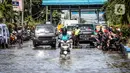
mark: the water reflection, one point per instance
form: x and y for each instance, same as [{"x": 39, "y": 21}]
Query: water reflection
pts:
[
  {"x": 65, "y": 64},
  {"x": 40, "y": 54}
]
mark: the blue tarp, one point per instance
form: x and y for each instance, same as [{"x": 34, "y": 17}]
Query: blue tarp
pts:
[
  {"x": 127, "y": 48},
  {"x": 73, "y": 2}
]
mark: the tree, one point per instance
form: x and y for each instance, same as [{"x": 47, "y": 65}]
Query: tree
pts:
[
  {"x": 56, "y": 16},
  {"x": 6, "y": 11},
  {"x": 109, "y": 8}
]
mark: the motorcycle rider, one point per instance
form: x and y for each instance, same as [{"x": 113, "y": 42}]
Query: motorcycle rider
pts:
[
  {"x": 100, "y": 32},
  {"x": 59, "y": 27},
  {"x": 13, "y": 37},
  {"x": 65, "y": 36},
  {"x": 20, "y": 35}
]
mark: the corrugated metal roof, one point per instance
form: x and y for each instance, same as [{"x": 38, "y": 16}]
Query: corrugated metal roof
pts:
[{"x": 72, "y": 2}]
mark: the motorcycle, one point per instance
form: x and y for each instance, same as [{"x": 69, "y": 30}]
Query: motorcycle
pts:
[
  {"x": 104, "y": 42},
  {"x": 13, "y": 39},
  {"x": 114, "y": 44},
  {"x": 65, "y": 49}
]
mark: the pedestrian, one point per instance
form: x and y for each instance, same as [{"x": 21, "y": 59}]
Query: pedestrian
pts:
[
  {"x": 76, "y": 34},
  {"x": 20, "y": 35}
]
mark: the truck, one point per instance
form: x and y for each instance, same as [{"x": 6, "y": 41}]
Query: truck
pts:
[{"x": 69, "y": 22}]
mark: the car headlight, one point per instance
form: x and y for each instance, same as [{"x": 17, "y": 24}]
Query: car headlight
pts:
[
  {"x": 92, "y": 35},
  {"x": 36, "y": 36}
]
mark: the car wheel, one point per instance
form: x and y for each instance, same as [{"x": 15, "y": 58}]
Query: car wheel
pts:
[
  {"x": 53, "y": 46},
  {"x": 92, "y": 45},
  {"x": 34, "y": 44},
  {"x": 3, "y": 45},
  {"x": 6, "y": 45}
]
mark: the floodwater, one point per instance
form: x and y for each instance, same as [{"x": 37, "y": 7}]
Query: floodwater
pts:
[{"x": 44, "y": 60}]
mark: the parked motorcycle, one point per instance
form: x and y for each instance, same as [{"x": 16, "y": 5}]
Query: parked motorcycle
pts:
[
  {"x": 115, "y": 44},
  {"x": 104, "y": 42},
  {"x": 13, "y": 39},
  {"x": 65, "y": 49}
]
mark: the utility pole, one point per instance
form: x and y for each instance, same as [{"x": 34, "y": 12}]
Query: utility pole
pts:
[
  {"x": 22, "y": 12},
  {"x": 30, "y": 7},
  {"x": 46, "y": 13}
]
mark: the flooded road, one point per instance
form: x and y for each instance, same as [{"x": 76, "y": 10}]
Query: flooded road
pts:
[{"x": 40, "y": 60}]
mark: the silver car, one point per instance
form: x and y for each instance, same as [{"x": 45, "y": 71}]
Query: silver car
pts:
[{"x": 45, "y": 34}]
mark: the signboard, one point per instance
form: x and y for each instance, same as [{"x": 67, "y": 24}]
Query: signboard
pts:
[
  {"x": 17, "y": 5},
  {"x": 1, "y": 1},
  {"x": 119, "y": 9}
]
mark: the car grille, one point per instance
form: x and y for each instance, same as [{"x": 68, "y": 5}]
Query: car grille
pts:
[{"x": 44, "y": 38}]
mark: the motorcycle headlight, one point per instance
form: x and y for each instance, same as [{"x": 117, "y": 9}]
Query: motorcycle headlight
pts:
[{"x": 65, "y": 52}]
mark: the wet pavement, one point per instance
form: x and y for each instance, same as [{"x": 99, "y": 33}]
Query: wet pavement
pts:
[{"x": 45, "y": 60}]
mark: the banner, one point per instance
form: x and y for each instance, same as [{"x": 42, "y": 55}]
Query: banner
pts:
[{"x": 17, "y": 5}]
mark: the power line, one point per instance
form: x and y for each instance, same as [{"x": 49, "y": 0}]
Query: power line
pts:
[
  {"x": 38, "y": 16},
  {"x": 36, "y": 13}
]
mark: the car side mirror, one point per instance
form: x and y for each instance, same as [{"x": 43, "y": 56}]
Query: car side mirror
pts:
[{"x": 56, "y": 34}]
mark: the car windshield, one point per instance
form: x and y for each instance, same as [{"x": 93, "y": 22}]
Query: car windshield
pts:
[
  {"x": 45, "y": 28},
  {"x": 70, "y": 28},
  {"x": 86, "y": 27}
]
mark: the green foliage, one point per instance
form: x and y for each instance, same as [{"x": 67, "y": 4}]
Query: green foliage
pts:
[
  {"x": 125, "y": 29},
  {"x": 29, "y": 20},
  {"x": 110, "y": 16},
  {"x": 56, "y": 17},
  {"x": 6, "y": 11},
  {"x": 1, "y": 14}
]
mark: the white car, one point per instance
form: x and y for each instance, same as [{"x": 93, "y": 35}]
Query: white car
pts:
[
  {"x": 70, "y": 29},
  {"x": 4, "y": 35}
]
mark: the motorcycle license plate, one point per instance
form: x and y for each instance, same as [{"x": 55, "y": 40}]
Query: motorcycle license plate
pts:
[
  {"x": 86, "y": 38},
  {"x": 64, "y": 44}
]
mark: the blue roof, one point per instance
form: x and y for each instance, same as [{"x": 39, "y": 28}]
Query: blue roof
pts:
[
  {"x": 87, "y": 12},
  {"x": 73, "y": 2}
]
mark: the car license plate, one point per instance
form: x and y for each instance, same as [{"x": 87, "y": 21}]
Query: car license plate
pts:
[
  {"x": 44, "y": 41},
  {"x": 86, "y": 38}
]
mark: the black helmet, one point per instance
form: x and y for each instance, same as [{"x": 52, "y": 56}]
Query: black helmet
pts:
[{"x": 64, "y": 31}]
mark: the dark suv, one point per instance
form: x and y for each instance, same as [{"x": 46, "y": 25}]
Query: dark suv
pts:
[
  {"x": 86, "y": 33},
  {"x": 44, "y": 35}
]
